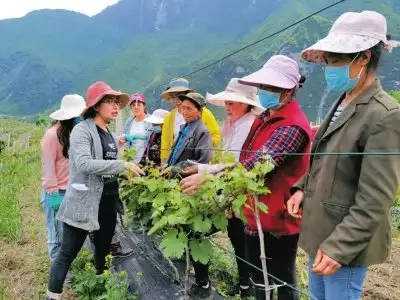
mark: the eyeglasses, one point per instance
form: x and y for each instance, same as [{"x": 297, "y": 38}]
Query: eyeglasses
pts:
[{"x": 115, "y": 101}]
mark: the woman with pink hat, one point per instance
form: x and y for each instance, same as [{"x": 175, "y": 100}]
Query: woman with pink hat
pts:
[
  {"x": 136, "y": 131},
  {"x": 90, "y": 201},
  {"x": 276, "y": 133},
  {"x": 55, "y": 171},
  {"x": 346, "y": 198}
]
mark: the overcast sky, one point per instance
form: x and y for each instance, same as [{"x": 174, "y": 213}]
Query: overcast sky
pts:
[{"x": 19, "y": 8}]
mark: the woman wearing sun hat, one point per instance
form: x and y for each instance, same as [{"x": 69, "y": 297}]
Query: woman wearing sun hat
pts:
[
  {"x": 152, "y": 154},
  {"x": 242, "y": 106},
  {"x": 90, "y": 201},
  {"x": 346, "y": 198},
  {"x": 136, "y": 131},
  {"x": 55, "y": 170},
  {"x": 174, "y": 120},
  {"x": 282, "y": 129}
]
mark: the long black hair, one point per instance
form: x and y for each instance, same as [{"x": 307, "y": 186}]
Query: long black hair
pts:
[{"x": 63, "y": 134}]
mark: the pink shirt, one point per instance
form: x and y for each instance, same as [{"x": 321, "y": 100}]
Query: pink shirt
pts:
[{"x": 55, "y": 167}]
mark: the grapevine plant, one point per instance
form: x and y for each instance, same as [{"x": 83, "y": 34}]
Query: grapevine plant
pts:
[{"x": 183, "y": 221}]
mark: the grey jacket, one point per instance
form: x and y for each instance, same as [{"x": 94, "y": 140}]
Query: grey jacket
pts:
[
  {"x": 195, "y": 146},
  {"x": 80, "y": 206}
]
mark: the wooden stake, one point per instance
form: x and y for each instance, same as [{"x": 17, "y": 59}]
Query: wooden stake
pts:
[
  {"x": 187, "y": 275},
  {"x": 262, "y": 249}
]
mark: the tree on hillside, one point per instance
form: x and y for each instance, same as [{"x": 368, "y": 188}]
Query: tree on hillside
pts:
[{"x": 395, "y": 95}]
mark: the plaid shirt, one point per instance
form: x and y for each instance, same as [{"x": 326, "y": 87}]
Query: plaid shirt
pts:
[{"x": 283, "y": 141}]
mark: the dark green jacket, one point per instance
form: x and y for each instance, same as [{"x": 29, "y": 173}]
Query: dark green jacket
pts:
[{"x": 348, "y": 197}]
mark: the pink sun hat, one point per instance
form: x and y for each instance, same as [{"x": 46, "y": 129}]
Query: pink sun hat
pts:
[{"x": 279, "y": 71}]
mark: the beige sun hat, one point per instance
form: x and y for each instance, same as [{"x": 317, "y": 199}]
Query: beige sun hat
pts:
[
  {"x": 157, "y": 117},
  {"x": 236, "y": 92},
  {"x": 71, "y": 107},
  {"x": 352, "y": 32},
  {"x": 176, "y": 85}
]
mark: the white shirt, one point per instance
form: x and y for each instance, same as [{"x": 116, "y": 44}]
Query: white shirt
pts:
[
  {"x": 179, "y": 121},
  {"x": 138, "y": 129},
  {"x": 234, "y": 141}
]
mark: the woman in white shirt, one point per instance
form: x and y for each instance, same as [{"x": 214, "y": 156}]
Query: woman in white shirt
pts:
[
  {"x": 136, "y": 130},
  {"x": 242, "y": 106}
]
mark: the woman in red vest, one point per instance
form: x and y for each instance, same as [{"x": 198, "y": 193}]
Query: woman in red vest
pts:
[{"x": 279, "y": 131}]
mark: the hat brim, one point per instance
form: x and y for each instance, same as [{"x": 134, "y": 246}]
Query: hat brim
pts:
[
  {"x": 338, "y": 43},
  {"x": 267, "y": 76},
  {"x": 176, "y": 89},
  {"x": 124, "y": 98},
  {"x": 62, "y": 115},
  {"x": 220, "y": 98},
  {"x": 154, "y": 120}
]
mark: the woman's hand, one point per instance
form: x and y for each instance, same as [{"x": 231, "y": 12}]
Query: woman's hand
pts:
[
  {"x": 190, "y": 184},
  {"x": 121, "y": 140},
  {"x": 134, "y": 170},
  {"x": 294, "y": 203},
  {"x": 191, "y": 170}
]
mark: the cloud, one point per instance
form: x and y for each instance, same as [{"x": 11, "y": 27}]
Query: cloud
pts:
[{"x": 19, "y": 8}]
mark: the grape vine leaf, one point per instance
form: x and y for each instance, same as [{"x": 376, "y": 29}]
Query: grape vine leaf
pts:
[
  {"x": 173, "y": 243},
  {"x": 201, "y": 250},
  {"x": 152, "y": 184},
  {"x": 201, "y": 224},
  {"x": 262, "y": 207},
  {"x": 220, "y": 221}
]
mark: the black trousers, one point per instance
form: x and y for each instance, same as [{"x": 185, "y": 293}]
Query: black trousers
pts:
[
  {"x": 237, "y": 237},
  {"x": 281, "y": 262},
  {"x": 73, "y": 239}
]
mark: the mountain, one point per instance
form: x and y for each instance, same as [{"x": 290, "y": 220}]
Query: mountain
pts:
[{"x": 139, "y": 45}]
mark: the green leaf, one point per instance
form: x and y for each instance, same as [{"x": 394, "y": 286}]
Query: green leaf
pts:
[
  {"x": 152, "y": 185},
  {"x": 173, "y": 243},
  {"x": 201, "y": 250},
  {"x": 220, "y": 221},
  {"x": 201, "y": 224},
  {"x": 159, "y": 201},
  {"x": 261, "y": 206}
]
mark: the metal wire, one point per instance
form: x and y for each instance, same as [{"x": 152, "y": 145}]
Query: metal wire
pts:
[{"x": 276, "y": 279}]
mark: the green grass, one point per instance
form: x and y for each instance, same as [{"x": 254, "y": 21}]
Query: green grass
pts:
[{"x": 14, "y": 169}]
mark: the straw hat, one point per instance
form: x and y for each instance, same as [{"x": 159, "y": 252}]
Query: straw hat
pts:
[{"x": 176, "y": 85}]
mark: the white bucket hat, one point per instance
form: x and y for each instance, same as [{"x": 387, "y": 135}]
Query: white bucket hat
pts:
[
  {"x": 157, "y": 117},
  {"x": 352, "y": 32},
  {"x": 71, "y": 107},
  {"x": 236, "y": 92}
]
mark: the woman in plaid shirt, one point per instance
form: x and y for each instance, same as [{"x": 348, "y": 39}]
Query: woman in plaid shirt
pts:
[{"x": 281, "y": 130}]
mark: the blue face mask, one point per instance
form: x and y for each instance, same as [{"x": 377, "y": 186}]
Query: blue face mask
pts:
[
  {"x": 268, "y": 99},
  {"x": 157, "y": 129},
  {"x": 77, "y": 120},
  {"x": 338, "y": 78}
]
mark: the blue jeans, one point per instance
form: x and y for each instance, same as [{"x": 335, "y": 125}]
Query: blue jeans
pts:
[
  {"x": 54, "y": 227},
  {"x": 346, "y": 283}
]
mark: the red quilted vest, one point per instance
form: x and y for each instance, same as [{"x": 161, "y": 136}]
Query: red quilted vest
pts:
[{"x": 280, "y": 180}]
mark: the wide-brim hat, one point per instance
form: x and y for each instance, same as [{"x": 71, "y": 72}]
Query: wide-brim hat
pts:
[
  {"x": 157, "y": 117},
  {"x": 99, "y": 90},
  {"x": 279, "y": 71},
  {"x": 175, "y": 86},
  {"x": 71, "y": 107},
  {"x": 352, "y": 32},
  {"x": 236, "y": 92}
]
